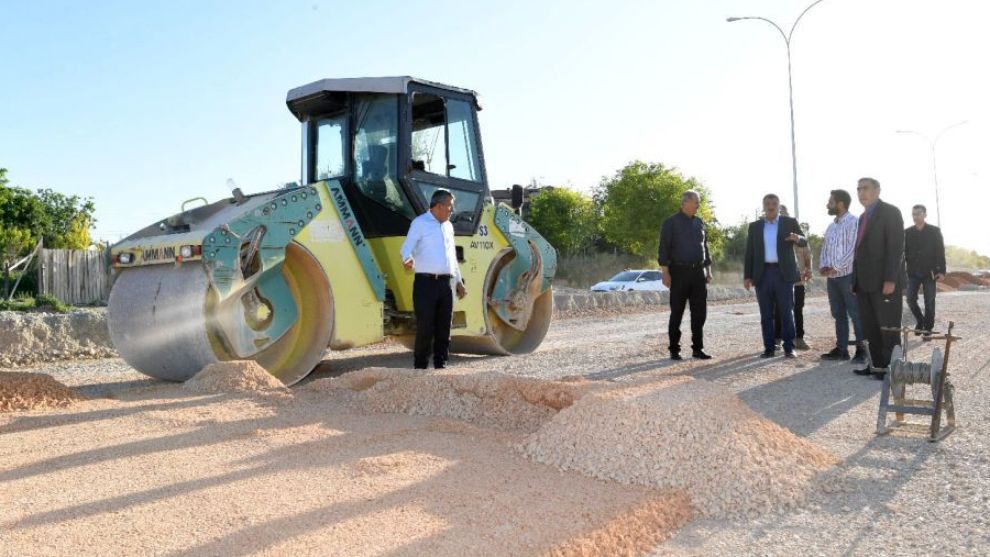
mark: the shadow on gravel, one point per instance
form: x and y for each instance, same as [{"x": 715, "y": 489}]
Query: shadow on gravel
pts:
[
  {"x": 36, "y": 422},
  {"x": 880, "y": 469},
  {"x": 615, "y": 373},
  {"x": 804, "y": 402},
  {"x": 106, "y": 390}
]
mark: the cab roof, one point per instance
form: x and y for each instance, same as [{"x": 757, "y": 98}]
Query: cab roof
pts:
[{"x": 388, "y": 85}]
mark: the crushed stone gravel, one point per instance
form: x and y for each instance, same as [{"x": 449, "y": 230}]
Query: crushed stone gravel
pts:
[
  {"x": 235, "y": 376},
  {"x": 29, "y": 391}
]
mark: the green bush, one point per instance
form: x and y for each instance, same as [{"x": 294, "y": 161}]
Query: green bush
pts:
[{"x": 46, "y": 302}]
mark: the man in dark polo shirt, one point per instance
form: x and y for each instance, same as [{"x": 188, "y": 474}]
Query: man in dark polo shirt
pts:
[
  {"x": 924, "y": 252},
  {"x": 686, "y": 265}
]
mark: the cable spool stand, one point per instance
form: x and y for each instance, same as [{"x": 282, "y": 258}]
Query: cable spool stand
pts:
[{"x": 902, "y": 373}]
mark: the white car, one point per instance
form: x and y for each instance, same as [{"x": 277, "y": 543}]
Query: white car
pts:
[{"x": 643, "y": 279}]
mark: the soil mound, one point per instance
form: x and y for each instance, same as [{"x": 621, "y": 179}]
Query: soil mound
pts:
[
  {"x": 26, "y": 391},
  {"x": 488, "y": 399},
  {"x": 235, "y": 376},
  {"x": 682, "y": 434}
]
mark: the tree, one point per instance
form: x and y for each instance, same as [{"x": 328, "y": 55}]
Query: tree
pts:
[
  {"x": 566, "y": 218},
  {"x": 64, "y": 221},
  {"x": 70, "y": 219},
  {"x": 639, "y": 197}
]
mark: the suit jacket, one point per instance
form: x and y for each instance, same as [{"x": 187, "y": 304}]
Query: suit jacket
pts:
[
  {"x": 756, "y": 252},
  {"x": 880, "y": 254}
]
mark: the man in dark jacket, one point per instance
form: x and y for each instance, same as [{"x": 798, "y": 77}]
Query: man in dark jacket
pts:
[
  {"x": 878, "y": 273},
  {"x": 686, "y": 265},
  {"x": 924, "y": 252},
  {"x": 771, "y": 265}
]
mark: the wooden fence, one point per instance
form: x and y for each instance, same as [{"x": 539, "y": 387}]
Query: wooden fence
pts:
[{"x": 77, "y": 277}]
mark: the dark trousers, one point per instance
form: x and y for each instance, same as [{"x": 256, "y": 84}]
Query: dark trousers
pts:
[
  {"x": 876, "y": 311},
  {"x": 842, "y": 302},
  {"x": 798, "y": 314},
  {"x": 687, "y": 287},
  {"x": 433, "y": 301},
  {"x": 924, "y": 321},
  {"x": 773, "y": 291}
]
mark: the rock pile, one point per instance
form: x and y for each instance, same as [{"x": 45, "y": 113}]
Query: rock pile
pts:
[
  {"x": 27, "y": 391},
  {"x": 488, "y": 399},
  {"x": 682, "y": 434},
  {"x": 34, "y": 337},
  {"x": 235, "y": 376}
]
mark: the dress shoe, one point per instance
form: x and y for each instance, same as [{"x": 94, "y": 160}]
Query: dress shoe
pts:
[
  {"x": 879, "y": 375},
  {"x": 701, "y": 355},
  {"x": 789, "y": 354},
  {"x": 863, "y": 371},
  {"x": 767, "y": 354},
  {"x": 835, "y": 354},
  {"x": 440, "y": 366},
  {"x": 676, "y": 356},
  {"x": 800, "y": 344}
]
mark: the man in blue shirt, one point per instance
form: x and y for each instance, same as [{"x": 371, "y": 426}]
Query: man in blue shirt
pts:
[{"x": 770, "y": 264}]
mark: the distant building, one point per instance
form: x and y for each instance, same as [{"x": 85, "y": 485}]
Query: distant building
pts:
[{"x": 505, "y": 196}]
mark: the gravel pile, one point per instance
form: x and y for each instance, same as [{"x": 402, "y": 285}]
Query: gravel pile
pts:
[
  {"x": 486, "y": 398},
  {"x": 683, "y": 434},
  {"x": 633, "y": 533},
  {"x": 27, "y": 391},
  {"x": 236, "y": 376},
  {"x": 36, "y": 337}
]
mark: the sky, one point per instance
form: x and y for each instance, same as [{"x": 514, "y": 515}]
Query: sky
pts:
[{"x": 143, "y": 105}]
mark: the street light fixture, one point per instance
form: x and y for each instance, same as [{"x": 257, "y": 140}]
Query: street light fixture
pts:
[
  {"x": 933, "y": 144},
  {"x": 790, "y": 87}
]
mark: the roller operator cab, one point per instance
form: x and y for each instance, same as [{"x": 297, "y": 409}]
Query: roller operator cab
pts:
[{"x": 280, "y": 276}]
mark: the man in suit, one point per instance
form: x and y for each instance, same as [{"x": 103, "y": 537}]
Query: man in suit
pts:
[
  {"x": 771, "y": 265},
  {"x": 878, "y": 273}
]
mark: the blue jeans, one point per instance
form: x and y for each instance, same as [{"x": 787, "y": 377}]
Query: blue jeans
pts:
[
  {"x": 774, "y": 290},
  {"x": 844, "y": 307},
  {"x": 926, "y": 321}
]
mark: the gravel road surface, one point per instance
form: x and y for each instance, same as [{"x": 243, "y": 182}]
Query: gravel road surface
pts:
[{"x": 891, "y": 495}]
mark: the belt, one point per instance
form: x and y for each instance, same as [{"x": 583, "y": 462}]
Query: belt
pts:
[
  {"x": 688, "y": 265},
  {"x": 771, "y": 264},
  {"x": 435, "y": 276}
]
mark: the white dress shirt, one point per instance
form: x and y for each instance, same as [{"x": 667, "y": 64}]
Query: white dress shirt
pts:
[{"x": 431, "y": 244}]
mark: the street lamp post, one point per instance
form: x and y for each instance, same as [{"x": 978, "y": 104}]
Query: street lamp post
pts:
[
  {"x": 933, "y": 144},
  {"x": 790, "y": 88}
]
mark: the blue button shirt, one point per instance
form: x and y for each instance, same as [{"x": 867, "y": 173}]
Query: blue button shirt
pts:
[{"x": 770, "y": 240}]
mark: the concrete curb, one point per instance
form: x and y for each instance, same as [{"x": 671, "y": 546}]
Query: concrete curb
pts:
[{"x": 571, "y": 301}]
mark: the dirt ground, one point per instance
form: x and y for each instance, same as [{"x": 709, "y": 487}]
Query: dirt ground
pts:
[{"x": 145, "y": 467}]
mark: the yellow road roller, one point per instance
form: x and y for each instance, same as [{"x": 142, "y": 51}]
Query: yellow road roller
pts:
[{"x": 281, "y": 276}]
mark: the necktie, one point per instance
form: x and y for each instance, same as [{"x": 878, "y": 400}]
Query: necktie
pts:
[{"x": 864, "y": 219}]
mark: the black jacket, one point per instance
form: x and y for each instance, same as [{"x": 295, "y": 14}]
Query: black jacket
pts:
[
  {"x": 880, "y": 254},
  {"x": 755, "y": 251},
  {"x": 924, "y": 251}
]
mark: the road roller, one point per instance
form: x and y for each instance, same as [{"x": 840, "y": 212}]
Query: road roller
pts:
[{"x": 279, "y": 277}]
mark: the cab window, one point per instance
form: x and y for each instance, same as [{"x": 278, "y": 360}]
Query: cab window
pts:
[
  {"x": 465, "y": 204},
  {"x": 376, "y": 155},
  {"x": 444, "y": 138},
  {"x": 331, "y": 137}
]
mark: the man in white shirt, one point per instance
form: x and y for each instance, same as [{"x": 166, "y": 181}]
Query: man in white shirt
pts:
[
  {"x": 429, "y": 249},
  {"x": 838, "y": 250}
]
